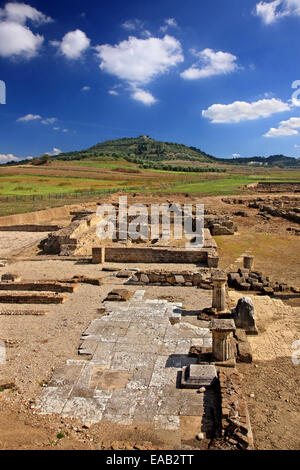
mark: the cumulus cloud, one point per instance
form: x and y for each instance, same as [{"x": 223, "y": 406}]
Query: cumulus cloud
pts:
[
  {"x": 285, "y": 128},
  {"x": 8, "y": 158},
  {"x": 140, "y": 60},
  {"x": 20, "y": 13},
  {"x": 213, "y": 63},
  {"x": 273, "y": 11},
  {"x": 29, "y": 117},
  {"x": 86, "y": 88},
  {"x": 16, "y": 38},
  {"x": 143, "y": 96},
  {"x": 243, "y": 111},
  {"x": 236, "y": 155},
  {"x": 73, "y": 44}
]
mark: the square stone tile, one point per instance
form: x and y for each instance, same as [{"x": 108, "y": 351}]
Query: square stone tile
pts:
[
  {"x": 87, "y": 410},
  {"x": 53, "y": 399},
  {"x": 168, "y": 423}
]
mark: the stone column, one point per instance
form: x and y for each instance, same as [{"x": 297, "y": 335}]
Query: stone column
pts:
[
  {"x": 98, "y": 255},
  {"x": 219, "y": 292},
  {"x": 248, "y": 262},
  {"x": 223, "y": 347}
]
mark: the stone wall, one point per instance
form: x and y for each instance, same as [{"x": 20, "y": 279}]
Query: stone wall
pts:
[
  {"x": 246, "y": 280},
  {"x": 286, "y": 207},
  {"x": 30, "y": 228},
  {"x": 220, "y": 225},
  {"x": 70, "y": 239},
  {"x": 269, "y": 187},
  {"x": 206, "y": 257},
  {"x": 167, "y": 278},
  {"x": 236, "y": 427}
]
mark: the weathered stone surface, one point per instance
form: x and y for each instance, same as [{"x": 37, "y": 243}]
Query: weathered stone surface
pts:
[
  {"x": 50, "y": 286},
  {"x": 133, "y": 375},
  {"x": 10, "y": 277},
  {"x": 32, "y": 298},
  {"x": 244, "y": 314},
  {"x": 119, "y": 295},
  {"x": 244, "y": 352}
]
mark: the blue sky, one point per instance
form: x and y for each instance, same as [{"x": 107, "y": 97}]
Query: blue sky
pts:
[{"x": 212, "y": 74}]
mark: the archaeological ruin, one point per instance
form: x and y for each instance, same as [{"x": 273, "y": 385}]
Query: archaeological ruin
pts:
[{"x": 144, "y": 334}]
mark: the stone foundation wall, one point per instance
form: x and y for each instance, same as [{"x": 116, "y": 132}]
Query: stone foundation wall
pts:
[
  {"x": 30, "y": 228},
  {"x": 165, "y": 278},
  {"x": 246, "y": 280},
  {"x": 32, "y": 298},
  {"x": 207, "y": 257},
  {"x": 286, "y": 207},
  {"x": 236, "y": 427},
  {"x": 70, "y": 239},
  {"x": 278, "y": 187}
]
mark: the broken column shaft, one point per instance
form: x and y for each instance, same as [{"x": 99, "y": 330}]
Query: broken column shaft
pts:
[
  {"x": 248, "y": 262},
  {"x": 223, "y": 347},
  {"x": 219, "y": 292}
]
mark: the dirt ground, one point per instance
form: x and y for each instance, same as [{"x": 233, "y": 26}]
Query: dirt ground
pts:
[{"x": 37, "y": 345}]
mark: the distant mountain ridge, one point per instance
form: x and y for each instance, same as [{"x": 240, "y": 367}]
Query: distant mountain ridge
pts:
[{"x": 272, "y": 160}]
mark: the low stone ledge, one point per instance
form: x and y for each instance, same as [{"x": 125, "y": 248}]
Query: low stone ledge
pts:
[
  {"x": 167, "y": 278},
  {"x": 32, "y": 298},
  {"x": 50, "y": 286}
]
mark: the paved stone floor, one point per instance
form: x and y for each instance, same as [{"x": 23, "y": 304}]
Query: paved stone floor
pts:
[{"x": 133, "y": 373}]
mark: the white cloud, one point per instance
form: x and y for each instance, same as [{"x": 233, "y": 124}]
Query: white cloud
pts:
[
  {"x": 8, "y": 158},
  {"x": 86, "y": 88},
  {"x": 144, "y": 96},
  {"x": 37, "y": 117},
  {"x": 138, "y": 61},
  {"x": 54, "y": 152},
  {"x": 29, "y": 117},
  {"x": 273, "y": 11},
  {"x": 49, "y": 121},
  {"x": 73, "y": 44},
  {"x": 15, "y": 37},
  {"x": 131, "y": 25},
  {"x": 214, "y": 63},
  {"x": 169, "y": 23},
  {"x": 236, "y": 155},
  {"x": 113, "y": 92},
  {"x": 285, "y": 128},
  {"x": 243, "y": 111},
  {"x": 20, "y": 13}
]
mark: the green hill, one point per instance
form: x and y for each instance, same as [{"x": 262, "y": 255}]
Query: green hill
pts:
[{"x": 140, "y": 148}]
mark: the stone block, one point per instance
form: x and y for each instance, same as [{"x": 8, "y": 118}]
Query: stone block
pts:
[
  {"x": 10, "y": 277},
  {"x": 244, "y": 314},
  {"x": 244, "y": 352},
  {"x": 122, "y": 295},
  {"x": 198, "y": 375}
]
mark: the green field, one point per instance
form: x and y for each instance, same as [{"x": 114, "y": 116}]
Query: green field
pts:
[{"x": 29, "y": 188}]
